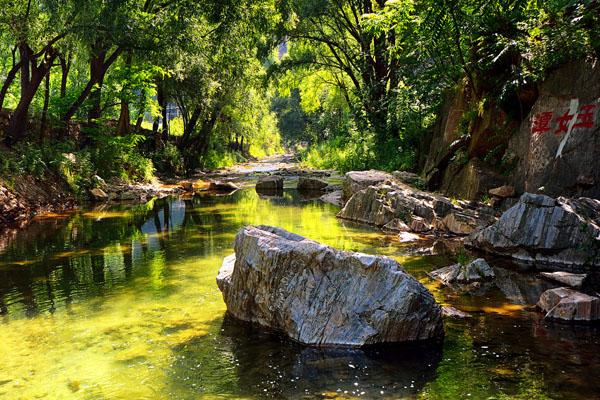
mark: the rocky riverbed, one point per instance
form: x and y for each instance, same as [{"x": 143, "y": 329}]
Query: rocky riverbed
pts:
[
  {"x": 546, "y": 233},
  {"x": 129, "y": 289}
]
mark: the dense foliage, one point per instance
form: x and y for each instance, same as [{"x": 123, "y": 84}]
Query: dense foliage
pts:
[
  {"x": 371, "y": 75},
  {"x": 180, "y": 85},
  {"x": 107, "y": 77}
]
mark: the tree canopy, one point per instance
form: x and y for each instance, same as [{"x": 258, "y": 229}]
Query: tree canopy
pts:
[{"x": 360, "y": 82}]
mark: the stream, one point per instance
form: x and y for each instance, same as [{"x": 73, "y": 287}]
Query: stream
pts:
[{"x": 120, "y": 302}]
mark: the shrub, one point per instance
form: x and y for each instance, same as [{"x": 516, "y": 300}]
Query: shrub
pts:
[
  {"x": 118, "y": 156},
  {"x": 169, "y": 160}
]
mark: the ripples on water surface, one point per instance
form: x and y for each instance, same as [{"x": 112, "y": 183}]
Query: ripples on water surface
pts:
[{"x": 121, "y": 303}]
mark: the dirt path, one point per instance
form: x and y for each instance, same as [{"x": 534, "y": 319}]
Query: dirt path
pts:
[{"x": 273, "y": 163}]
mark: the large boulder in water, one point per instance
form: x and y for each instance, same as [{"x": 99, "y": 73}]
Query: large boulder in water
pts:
[
  {"x": 543, "y": 230},
  {"x": 321, "y": 296}
]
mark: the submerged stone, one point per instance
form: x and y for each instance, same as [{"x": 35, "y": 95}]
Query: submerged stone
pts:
[
  {"x": 451, "y": 312},
  {"x": 321, "y": 296},
  {"x": 334, "y": 198}
]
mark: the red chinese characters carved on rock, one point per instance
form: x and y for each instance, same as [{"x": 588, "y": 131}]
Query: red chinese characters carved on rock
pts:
[
  {"x": 541, "y": 122},
  {"x": 586, "y": 117}
]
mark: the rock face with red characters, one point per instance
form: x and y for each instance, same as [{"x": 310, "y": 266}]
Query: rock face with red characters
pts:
[
  {"x": 556, "y": 151},
  {"x": 546, "y": 141}
]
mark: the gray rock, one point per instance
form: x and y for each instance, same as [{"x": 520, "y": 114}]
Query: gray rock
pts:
[
  {"x": 419, "y": 224},
  {"x": 321, "y": 296},
  {"x": 442, "y": 206},
  {"x": 569, "y": 305},
  {"x": 409, "y": 178},
  {"x": 269, "y": 184},
  {"x": 222, "y": 187},
  {"x": 98, "y": 182},
  {"x": 476, "y": 271},
  {"x": 334, "y": 198},
  {"x": 382, "y": 204},
  {"x": 503, "y": 191},
  {"x": 369, "y": 206},
  {"x": 11, "y": 207},
  {"x": 308, "y": 184},
  {"x": 572, "y": 280},
  {"x": 129, "y": 195},
  {"x": 356, "y": 181},
  {"x": 546, "y": 231},
  {"x": 534, "y": 153},
  {"x": 461, "y": 222},
  {"x": 98, "y": 194},
  {"x": 396, "y": 225}
]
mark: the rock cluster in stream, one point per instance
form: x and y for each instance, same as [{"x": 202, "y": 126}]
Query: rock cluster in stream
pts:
[
  {"x": 378, "y": 199},
  {"x": 544, "y": 230},
  {"x": 321, "y": 296},
  {"x": 117, "y": 190},
  {"x": 533, "y": 228}
]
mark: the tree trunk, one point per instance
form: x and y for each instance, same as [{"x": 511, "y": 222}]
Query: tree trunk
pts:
[
  {"x": 188, "y": 130},
  {"x": 197, "y": 145},
  {"x": 10, "y": 77},
  {"x": 44, "y": 122},
  {"x": 65, "y": 66},
  {"x": 125, "y": 116},
  {"x": 124, "y": 119},
  {"x": 138, "y": 122},
  {"x": 97, "y": 75},
  {"x": 34, "y": 75},
  {"x": 161, "y": 98},
  {"x": 90, "y": 85}
]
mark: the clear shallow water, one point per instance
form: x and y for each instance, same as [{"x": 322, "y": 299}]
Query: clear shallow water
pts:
[{"x": 121, "y": 303}]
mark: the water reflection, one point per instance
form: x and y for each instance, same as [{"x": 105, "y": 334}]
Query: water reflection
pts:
[
  {"x": 121, "y": 302},
  {"x": 270, "y": 366}
]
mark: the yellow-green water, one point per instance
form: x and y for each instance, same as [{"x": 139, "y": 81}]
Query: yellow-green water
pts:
[{"x": 121, "y": 303}]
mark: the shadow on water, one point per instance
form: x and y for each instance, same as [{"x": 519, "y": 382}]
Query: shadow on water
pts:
[{"x": 268, "y": 365}]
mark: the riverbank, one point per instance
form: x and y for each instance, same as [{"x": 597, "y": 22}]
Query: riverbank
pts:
[{"x": 25, "y": 196}]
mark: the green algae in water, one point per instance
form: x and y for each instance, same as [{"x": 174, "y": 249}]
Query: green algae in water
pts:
[{"x": 121, "y": 303}]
